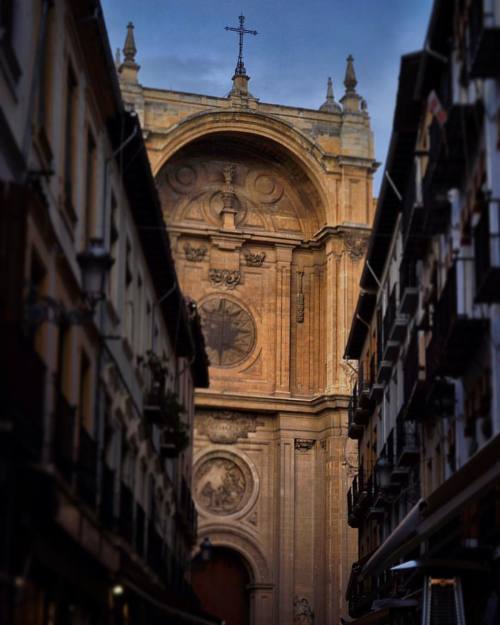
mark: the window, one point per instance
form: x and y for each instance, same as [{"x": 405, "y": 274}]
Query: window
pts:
[
  {"x": 114, "y": 246},
  {"x": 69, "y": 140},
  {"x": 89, "y": 223},
  {"x": 85, "y": 397}
]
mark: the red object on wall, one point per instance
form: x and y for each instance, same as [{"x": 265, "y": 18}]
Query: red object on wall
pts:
[{"x": 221, "y": 584}]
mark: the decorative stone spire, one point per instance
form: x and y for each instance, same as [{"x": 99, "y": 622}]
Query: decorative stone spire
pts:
[
  {"x": 330, "y": 106},
  {"x": 350, "y": 80},
  {"x": 351, "y": 100},
  {"x": 129, "y": 68}
]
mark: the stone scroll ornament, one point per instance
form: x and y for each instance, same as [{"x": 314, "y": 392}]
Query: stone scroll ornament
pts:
[
  {"x": 254, "y": 259},
  {"x": 224, "y": 277},
  {"x": 195, "y": 254}
]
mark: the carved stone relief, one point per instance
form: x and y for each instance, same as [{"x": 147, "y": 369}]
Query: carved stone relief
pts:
[
  {"x": 224, "y": 426},
  {"x": 223, "y": 484},
  {"x": 235, "y": 195},
  {"x": 355, "y": 245},
  {"x": 255, "y": 259},
  {"x": 224, "y": 277},
  {"x": 302, "y": 611},
  {"x": 300, "y": 298},
  {"x": 194, "y": 254},
  {"x": 229, "y": 331}
]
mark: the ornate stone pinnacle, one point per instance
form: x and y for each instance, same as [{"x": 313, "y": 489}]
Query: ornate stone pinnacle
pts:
[
  {"x": 329, "y": 105},
  {"x": 350, "y": 80},
  {"x": 129, "y": 49}
]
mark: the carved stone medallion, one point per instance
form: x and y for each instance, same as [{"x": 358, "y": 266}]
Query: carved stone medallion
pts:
[
  {"x": 355, "y": 245},
  {"x": 223, "y": 484},
  {"x": 229, "y": 331}
]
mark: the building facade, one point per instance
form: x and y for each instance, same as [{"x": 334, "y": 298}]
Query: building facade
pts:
[
  {"x": 268, "y": 209},
  {"x": 100, "y": 350},
  {"x": 426, "y": 407}
]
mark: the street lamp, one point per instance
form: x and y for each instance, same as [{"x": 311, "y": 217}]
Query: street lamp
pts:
[
  {"x": 95, "y": 263},
  {"x": 206, "y": 549}
]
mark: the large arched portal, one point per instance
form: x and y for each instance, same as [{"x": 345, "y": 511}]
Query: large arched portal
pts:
[
  {"x": 265, "y": 222},
  {"x": 223, "y": 586}
]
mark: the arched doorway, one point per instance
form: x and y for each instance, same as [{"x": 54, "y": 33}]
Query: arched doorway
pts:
[{"x": 222, "y": 586}]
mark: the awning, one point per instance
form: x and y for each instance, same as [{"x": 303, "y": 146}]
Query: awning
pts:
[{"x": 469, "y": 483}]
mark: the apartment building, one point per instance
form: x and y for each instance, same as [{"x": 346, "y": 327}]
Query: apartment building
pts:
[
  {"x": 426, "y": 406},
  {"x": 100, "y": 351}
]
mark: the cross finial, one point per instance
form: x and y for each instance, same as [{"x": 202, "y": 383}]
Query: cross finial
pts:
[{"x": 241, "y": 30}]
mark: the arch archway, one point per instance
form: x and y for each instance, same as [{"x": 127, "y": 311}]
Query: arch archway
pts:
[{"x": 222, "y": 585}]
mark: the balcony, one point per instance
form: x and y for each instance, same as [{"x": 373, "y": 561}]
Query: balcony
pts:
[
  {"x": 376, "y": 386},
  {"x": 408, "y": 285},
  {"x": 487, "y": 255},
  {"x": 440, "y": 399},
  {"x": 354, "y": 430},
  {"x": 483, "y": 54},
  {"x": 357, "y": 496},
  {"x": 395, "y": 324},
  {"x": 407, "y": 443},
  {"x": 364, "y": 403},
  {"x": 456, "y": 333},
  {"x": 64, "y": 438},
  {"x": 414, "y": 377}
]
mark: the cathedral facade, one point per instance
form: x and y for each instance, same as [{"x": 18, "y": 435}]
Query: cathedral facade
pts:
[{"x": 268, "y": 209}]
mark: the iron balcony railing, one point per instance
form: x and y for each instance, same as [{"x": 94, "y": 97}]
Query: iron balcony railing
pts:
[{"x": 407, "y": 442}]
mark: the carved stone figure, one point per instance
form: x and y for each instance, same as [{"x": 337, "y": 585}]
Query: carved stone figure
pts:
[
  {"x": 220, "y": 486},
  {"x": 224, "y": 426},
  {"x": 224, "y": 277},
  {"x": 195, "y": 254},
  {"x": 229, "y": 331},
  {"x": 302, "y": 611}
]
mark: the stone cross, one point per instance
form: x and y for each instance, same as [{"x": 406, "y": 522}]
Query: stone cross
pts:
[{"x": 241, "y": 30}]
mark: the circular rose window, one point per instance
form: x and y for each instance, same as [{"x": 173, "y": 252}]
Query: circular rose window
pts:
[
  {"x": 229, "y": 331},
  {"x": 223, "y": 485}
]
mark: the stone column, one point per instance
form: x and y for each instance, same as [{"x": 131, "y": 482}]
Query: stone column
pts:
[{"x": 285, "y": 535}]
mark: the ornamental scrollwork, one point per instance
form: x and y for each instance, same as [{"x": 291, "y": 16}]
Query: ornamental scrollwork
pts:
[
  {"x": 355, "y": 245},
  {"x": 195, "y": 254},
  {"x": 254, "y": 259},
  {"x": 224, "y": 277}
]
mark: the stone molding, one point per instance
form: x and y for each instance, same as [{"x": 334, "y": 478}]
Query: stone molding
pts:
[{"x": 225, "y": 426}]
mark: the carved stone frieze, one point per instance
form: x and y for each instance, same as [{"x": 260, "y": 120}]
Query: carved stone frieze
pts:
[
  {"x": 195, "y": 254},
  {"x": 224, "y": 277},
  {"x": 355, "y": 244},
  {"x": 304, "y": 444},
  {"x": 224, "y": 426},
  {"x": 254, "y": 259}
]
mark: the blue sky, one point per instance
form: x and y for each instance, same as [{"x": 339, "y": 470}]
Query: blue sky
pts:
[{"x": 182, "y": 45}]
